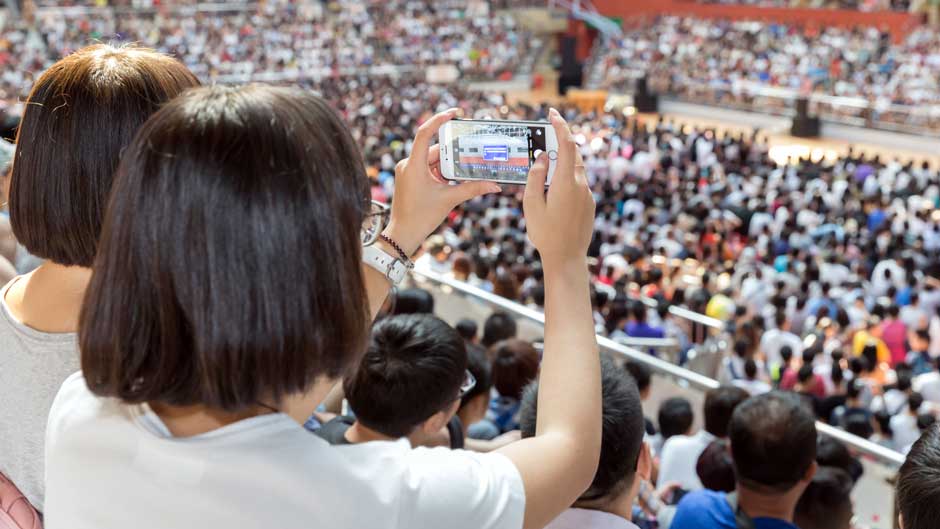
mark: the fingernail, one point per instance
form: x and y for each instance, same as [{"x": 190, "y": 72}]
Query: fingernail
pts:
[
  {"x": 553, "y": 112},
  {"x": 494, "y": 189}
]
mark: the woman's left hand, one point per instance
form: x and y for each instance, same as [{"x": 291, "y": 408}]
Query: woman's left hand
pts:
[{"x": 422, "y": 198}]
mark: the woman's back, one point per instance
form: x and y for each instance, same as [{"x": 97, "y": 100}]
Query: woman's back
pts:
[{"x": 264, "y": 471}]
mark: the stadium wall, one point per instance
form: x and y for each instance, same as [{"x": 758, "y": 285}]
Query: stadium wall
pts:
[{"x": 898, "y": 24}]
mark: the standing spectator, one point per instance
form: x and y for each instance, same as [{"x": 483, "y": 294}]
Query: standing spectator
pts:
[
  {"x": 928, "y": 384},
  {"x": 751, "y": 381},
  {"x": 904, "y": 424},
  {"x": 773, "y": 445},
  {"x": 680, "y": 453},
  {"x": 894, "y": 334},
  {"x": 827, "y": 501},
  {"x": 515, "y": 364},
  {"x": 773, "y": 340},
  {"x": 498, "y": 326}
]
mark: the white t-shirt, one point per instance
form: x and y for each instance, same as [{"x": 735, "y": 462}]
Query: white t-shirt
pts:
[
  {"x": 774, "y": 340},
  {"x": 679, "y": 457},
  {"x": 905, "y": 430},
  {"x": 589, "y": 519},
  {"x": 114, "y": 466},
  {"x": 928, "y": 385}
]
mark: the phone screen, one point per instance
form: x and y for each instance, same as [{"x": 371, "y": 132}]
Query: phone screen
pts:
[{"x": 500, "y": 151}]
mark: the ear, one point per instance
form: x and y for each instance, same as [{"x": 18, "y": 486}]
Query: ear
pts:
[
  {"x": 439, "y": 420},
  {"x": 810, "y": 472},
  {"x": 901, "y": 521},
  {"x": 644, "y": 465}
]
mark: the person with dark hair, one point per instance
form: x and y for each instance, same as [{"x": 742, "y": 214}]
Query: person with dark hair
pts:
[
  {"x": 918, "y": 484},
  {"x": 625, "y": 459},
  {"x": 204, "y": 350},
  {"x": 515, "y": 364},
  {"x": 919, "y": 355},
  {"x": 854, "y": 409},
  {"x": 412, "y": 301},
  {"x": 675, "y": 417},
  {"x": 774, "y": 340},
  {"x": 475, "y": 403},
  {"x": 680, "y": 453},
  {"x": 644, "y": 379},
  {"x": 928, "y": 384},
  {"x": 751, "y": 381},
  {"x": 827, "y": 501},
  {"x": 894, "y": 335},
  {"x": 715, "y": 468},
  {"x": 80, "y": 116},
  {"x": 786, "y": 366},
  {"x": 833, "y": 453},
  {"x": 773, "y": 446},
  {"x": 638, "y": 326},
  {"x": 498, "y": 326},
  {"x": 904, "y": 425},
  {"x": 408, "y": 384},
  {"x": 467, "y": 329}
]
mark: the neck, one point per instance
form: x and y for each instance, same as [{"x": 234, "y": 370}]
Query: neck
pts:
[
  {"x": 761, "y": 505},
  {"x": 188, "y": 421},
  {"x": 357, "y": 433},
  {"x": 621, "y": 505},
  {"x": 49, "y": 299}
]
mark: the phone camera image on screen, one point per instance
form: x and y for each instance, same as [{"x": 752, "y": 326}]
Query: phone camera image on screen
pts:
[{"x": 498, "y": 151}]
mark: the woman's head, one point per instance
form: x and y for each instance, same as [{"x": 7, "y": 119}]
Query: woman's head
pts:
[
  {"x": 229, "y": 268},
  {"x": 81, "y": 115}
]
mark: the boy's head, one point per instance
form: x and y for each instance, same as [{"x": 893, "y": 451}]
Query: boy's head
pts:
[
  {"x": 624, "y": 457},
  {"x": 675, "y": 417},
  {"x": 411, "y": 377}
]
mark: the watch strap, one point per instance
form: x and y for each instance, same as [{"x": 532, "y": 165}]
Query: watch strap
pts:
[{"x": 388, "y": 265}]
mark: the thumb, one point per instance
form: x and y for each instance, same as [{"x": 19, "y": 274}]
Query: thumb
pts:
[
  {"x": 470, "y": 190},
  {"x": 535, "y": 186}
]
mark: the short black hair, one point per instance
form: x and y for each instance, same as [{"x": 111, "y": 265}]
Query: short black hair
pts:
[
  {"x": 81, "y": 114},
  {"x": 479, "y": 366},
  {"x": 193, "y": 300},
  {"x": 773, "y": 441},
  {"x": 715, "y": 468},
  {"x": 515, "y": 364},
  {"x": 413, "y": 368},
  {"x": 498, "y": 326},
  {"x": 826, "y": 503},
  {"x": 675, "y": 417},
  {"x": 918, "y": 486},
  {"x": 915, "y": 401},
  {"x": 720, "y": 403},
  {"x": 467, "y": 329},
  {"x": 413, "y": 301},
  {"x": 833, "y": 453},
  {"x": 622, "y": 436},
  {"x": 640, "y": 373}
]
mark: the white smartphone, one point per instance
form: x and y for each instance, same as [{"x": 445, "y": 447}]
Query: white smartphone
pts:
[{"x": 497, "y": 151}]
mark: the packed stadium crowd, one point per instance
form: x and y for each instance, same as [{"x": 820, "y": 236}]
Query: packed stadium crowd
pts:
[
  {"x": 861, "y": 5},
  {"x": 200, "y": 305},
  {"x": 734, "y": 62}
]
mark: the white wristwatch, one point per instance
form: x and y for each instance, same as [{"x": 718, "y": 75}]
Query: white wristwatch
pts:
[{"x": 388, "y": 265}]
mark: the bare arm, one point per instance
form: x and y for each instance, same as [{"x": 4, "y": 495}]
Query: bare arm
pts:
[{"x": 559, "y": 463}]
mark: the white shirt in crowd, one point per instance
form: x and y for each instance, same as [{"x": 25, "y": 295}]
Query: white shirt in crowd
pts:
[
  {"x": 589, "y": 519},
  {"x": 33, "y": 365},
  {"x": 679, "y": 457},
  {"x": 905, "y": 431},
  {"x": 773, "y": 341},
  {"x": 114, "y": 466},
  {"x": 928, "y": 385},
  {"x": 753, "y": 387}
]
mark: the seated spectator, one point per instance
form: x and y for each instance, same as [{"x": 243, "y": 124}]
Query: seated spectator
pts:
[
  {"x": 638, "y": 327},
  {"x": 894, "y": 399},
  {"x": 680, "y": 453},
  {"x": 928, "y": 384},
  {"x": 833, "y": 453},
  {"x": 827, "y": 501},
  {"x": 715, "y": 468},
  {"x": 409, "y": 384},
  {"x": 498, "y": 326},
  {"x": 774, "y": 340},
  {"x": 918, "y": 485},
  {"x": 904, "y": 425},
  {"x": 773, "y": 445},
  {"x": 643, "y": 378},
  {"x": 412, "y": 301},
  {"x": 786, "y": 366},
  {"x": 81, "y": 115},
  {"x": 625, "y": 460},
  {"x": 675, "y": 418},
  {"x": 210, "y": 364},
  {"x": 515, "y": 364},
  {"x": 854, "y": 409},
  {"x": 467, "y": 329},
  {"x": 751, "y": 381}
]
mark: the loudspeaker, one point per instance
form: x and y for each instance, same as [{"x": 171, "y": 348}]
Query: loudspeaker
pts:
[
  {"x": 804, "y": 125},
  {"x": 571, "y": 74}
]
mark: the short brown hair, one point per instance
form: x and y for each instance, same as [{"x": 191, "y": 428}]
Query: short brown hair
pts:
[
  {"x": 81, "y": 114},
  {"x": 515, "y": 364},
  {"x": 229, "y": 272}
]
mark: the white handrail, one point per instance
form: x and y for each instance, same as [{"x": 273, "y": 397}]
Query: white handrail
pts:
[{"x": 700, "y": 382}]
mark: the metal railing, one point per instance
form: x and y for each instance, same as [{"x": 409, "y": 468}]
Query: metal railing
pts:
[{"x": 695, "y": 380}]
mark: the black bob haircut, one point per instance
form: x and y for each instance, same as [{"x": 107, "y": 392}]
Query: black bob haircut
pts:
[
  {"x": 622, "y": 436},
  {"x": 773, "y": 442},
  {"x": 918, "y": 489},
  {"x": 193, "y": 299},
  {"x": 720, "y": 403},
  {"x": 413, "y": 368},
  {"x": 81, "y": 114}
]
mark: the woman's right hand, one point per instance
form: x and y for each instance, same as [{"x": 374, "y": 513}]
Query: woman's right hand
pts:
[{"x": 560, "y": 223}]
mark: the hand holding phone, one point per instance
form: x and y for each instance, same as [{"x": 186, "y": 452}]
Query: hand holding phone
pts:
[{"x": 496, "y": 151}]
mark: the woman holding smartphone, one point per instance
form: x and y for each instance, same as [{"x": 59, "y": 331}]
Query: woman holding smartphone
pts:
[{"x": 228, "y": 297}]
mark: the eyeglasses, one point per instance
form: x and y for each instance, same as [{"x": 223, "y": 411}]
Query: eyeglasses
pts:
[
  {"x": 469, "y": 383},
  {"x": 374, "y": 222}
]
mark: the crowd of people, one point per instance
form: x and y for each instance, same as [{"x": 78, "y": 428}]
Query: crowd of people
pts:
[
  {"x": 861, "y": 5},
  {"x": 736, "y": 62},
  {"x": 281, "y": 39}
]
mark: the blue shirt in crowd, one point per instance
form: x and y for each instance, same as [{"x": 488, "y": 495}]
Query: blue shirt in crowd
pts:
[{"x": 705, "y": 509}]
